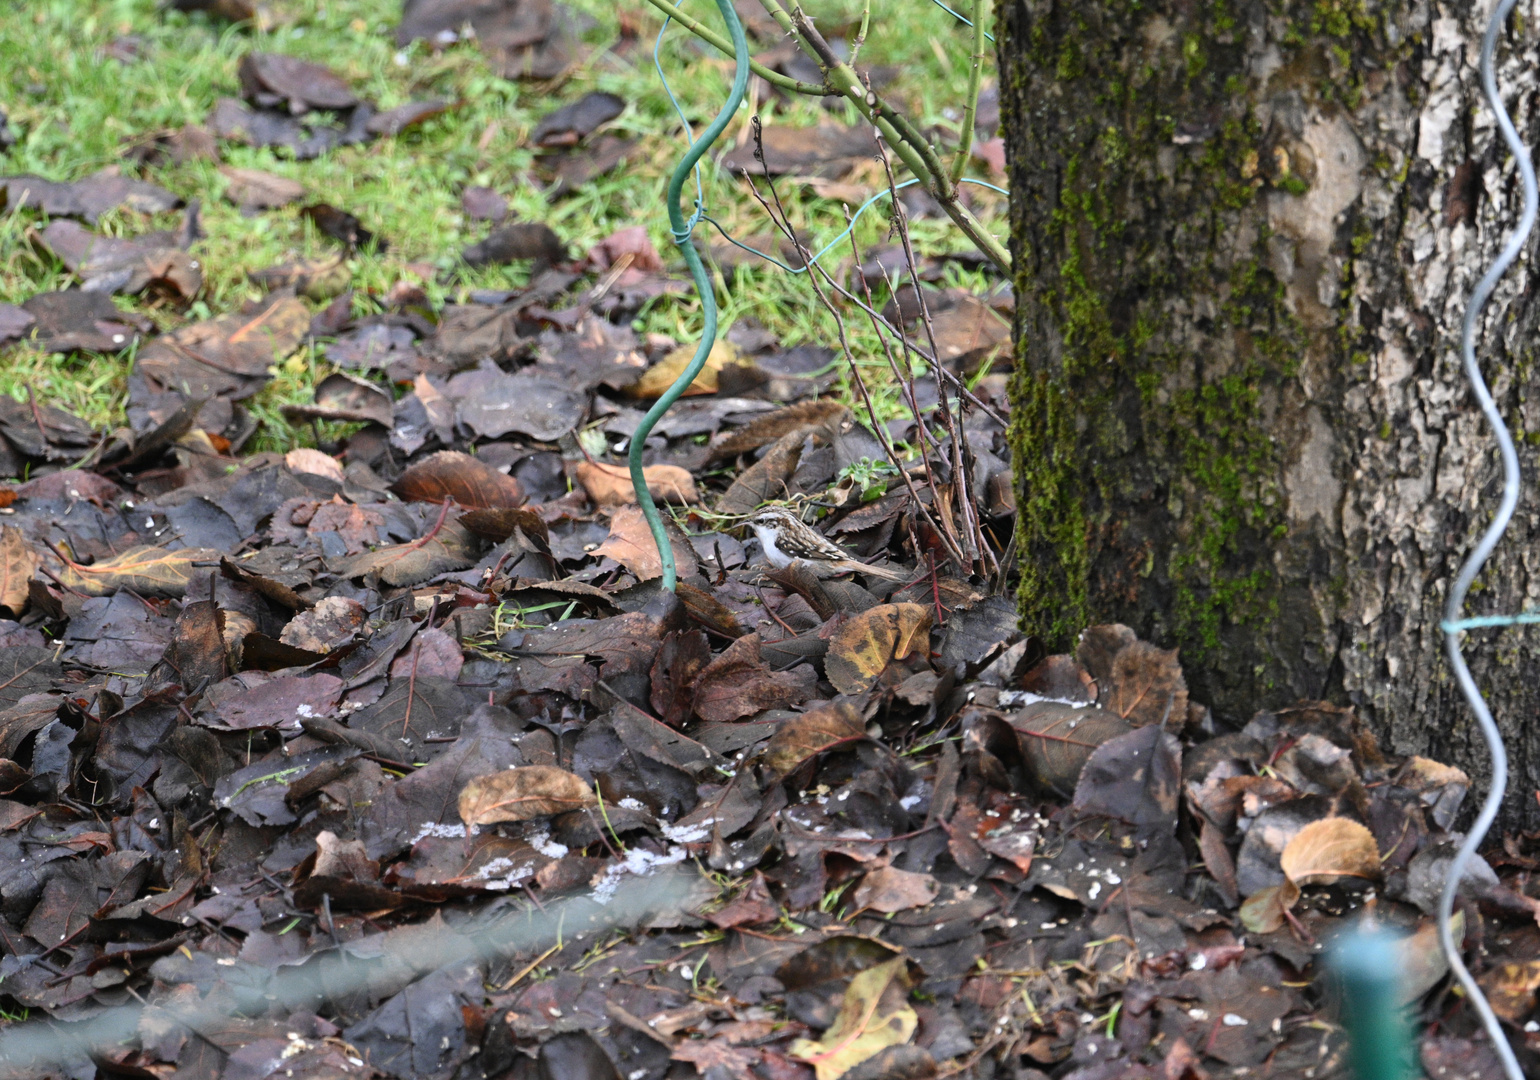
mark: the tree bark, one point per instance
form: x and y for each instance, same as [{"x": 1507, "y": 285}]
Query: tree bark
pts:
[{"x": 1244, "y": 234}]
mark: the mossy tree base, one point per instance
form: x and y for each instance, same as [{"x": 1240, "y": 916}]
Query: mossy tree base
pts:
[{"x": 1243, "y": 235}]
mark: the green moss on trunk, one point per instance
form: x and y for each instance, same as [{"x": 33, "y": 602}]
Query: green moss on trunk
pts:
[{"x": 1155, "y": 345}]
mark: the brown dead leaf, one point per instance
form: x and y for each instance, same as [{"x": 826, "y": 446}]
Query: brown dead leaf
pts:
[
  {"x": 738, "y": 683},
  {"x": 1136, "y": 680},
  {"x": 716, "y": 1054},
  {"x": 469, "y": 481},
  {"x": 1057, "y": 740},
  {"x": 805, "y": 736},
  {"x": 864, "y": 646},
  {"x": 451, "y": 547},
  {"x": 258, "y": 190},
  {"x": 889, "y": 889},
  {"x": 500, "y": 523},
  {"x": 768, "y": 478},
  {"x": 314, "y": 279},
  {"x": 1328, "y": 849},
  {"x": 18, "y": 562},
  {"x": 149, "y": 571},
  {"x": 630, "y": 543},
  {"x": 307, "y": 460},
  {"x": 333, "y": 622},
  {"x": 610, "y": 485},
  {"x": 661, "y": 375},
  {"x": 521, "y": 794},
  {"x": 754, "y": 905},
  {"x": 766, "y": 429},
  {"x": 1423, "y": 966}
]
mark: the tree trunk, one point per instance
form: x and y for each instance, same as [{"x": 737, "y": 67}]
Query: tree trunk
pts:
[{"x": 1244, "y": 234}]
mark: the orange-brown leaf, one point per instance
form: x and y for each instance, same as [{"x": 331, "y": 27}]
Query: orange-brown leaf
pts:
[{"x": 520, "y": 794}]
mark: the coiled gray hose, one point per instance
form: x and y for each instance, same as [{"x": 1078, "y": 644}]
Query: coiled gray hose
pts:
[{"x": 1452, "y": 625}]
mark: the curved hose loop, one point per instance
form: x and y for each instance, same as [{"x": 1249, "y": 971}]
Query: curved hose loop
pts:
[
  {"x": 681, "y": 229},
  {"x": 1489, "y": 539}
]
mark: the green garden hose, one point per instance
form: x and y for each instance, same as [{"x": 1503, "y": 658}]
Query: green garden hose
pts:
[{"x": 682, "y": 227}]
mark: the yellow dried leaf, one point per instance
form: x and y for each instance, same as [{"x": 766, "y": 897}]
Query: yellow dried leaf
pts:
[
  {"x": 873, "y": 1017},
  {"x": 868, "y": 642},
  {"x": 149, "y": 571},
  {"x": 658, "y": 378}
]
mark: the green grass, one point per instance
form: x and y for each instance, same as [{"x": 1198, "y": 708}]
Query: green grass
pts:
[{"x": 73, "y": 109}]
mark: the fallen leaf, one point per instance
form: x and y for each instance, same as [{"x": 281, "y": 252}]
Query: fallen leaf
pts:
[
  {"x": 452, "y": 547},
  {"x": 521, "y": 240},
  {"x": 569, "y": 124},
  {"x": 1135, "y": 778},
  {"x": 1328, "y": 849},
  {"x": 149, "y": 571},
  {"x": 307, "y": 460},
  {"x": 771, "y": 427},
  {"x": 258, "y": 190},
  {"x": 393, "y": 122},
  {"x": 521, "y": 794},
  {"x": 805, "y": 736},
  {"x": 492, "y": 404},
  {"x": 1057, "y": 740},
  {"x": 658, "y": 378},
  {"x": 499, "y": 523},
  {"x": 610, "y": 485},
  {"x": 865, "y": 644},
  {"x": 889, "y": 889},
  {"x": 737, "y": 684},
  {"x": 873, "y": 1016},
  {"x": 345, "y": 397},
  {"x": 467, "y": 480},
  {"x": 767, "y": 479},
  {"x": 1510, "y": 988},
  {"x": 334, "y": 621},
  {"x": 1136, "y": 680},
  {"x": 1264, "y": 911},
  {"x": 631, "y": 241},
  {"x": 269, "y": 79},
  {"x": 630, "y": 543},
  {"x": 483, "y": 204},
  {"x": 342, "y": 227},
  {"x": 1423, "y": 966},
  {"x": 314, "y": 279},
  {"x": 752, "y": 906},
  {"x": 18, "y": 562}
]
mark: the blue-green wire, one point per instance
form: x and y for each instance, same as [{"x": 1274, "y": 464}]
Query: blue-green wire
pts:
[
  {"x": 681, "y": 229},
  {"x": 959, "y": 17}
]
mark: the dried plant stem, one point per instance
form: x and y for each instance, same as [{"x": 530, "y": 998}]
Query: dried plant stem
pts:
[
  {"x": 782, "y": 221},
  {"x": 974, "y": 546}
]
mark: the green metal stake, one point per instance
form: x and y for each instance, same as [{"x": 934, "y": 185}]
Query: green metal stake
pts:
[
  {"x": 1368, "y": 966},
  {"x": 681, "y": 228}
]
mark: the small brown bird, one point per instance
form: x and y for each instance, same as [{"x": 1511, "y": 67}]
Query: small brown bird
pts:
[{"x": 784, "y": 538}]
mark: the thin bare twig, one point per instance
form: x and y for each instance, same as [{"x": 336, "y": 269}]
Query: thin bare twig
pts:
[{"x": 783, "y": 221}]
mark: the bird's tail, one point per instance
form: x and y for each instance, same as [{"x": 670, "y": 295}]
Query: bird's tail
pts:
[{"x": 883, "y": 572}]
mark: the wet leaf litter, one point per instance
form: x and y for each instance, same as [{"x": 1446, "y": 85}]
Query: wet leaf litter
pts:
[{"x": 269, "y": 717}]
